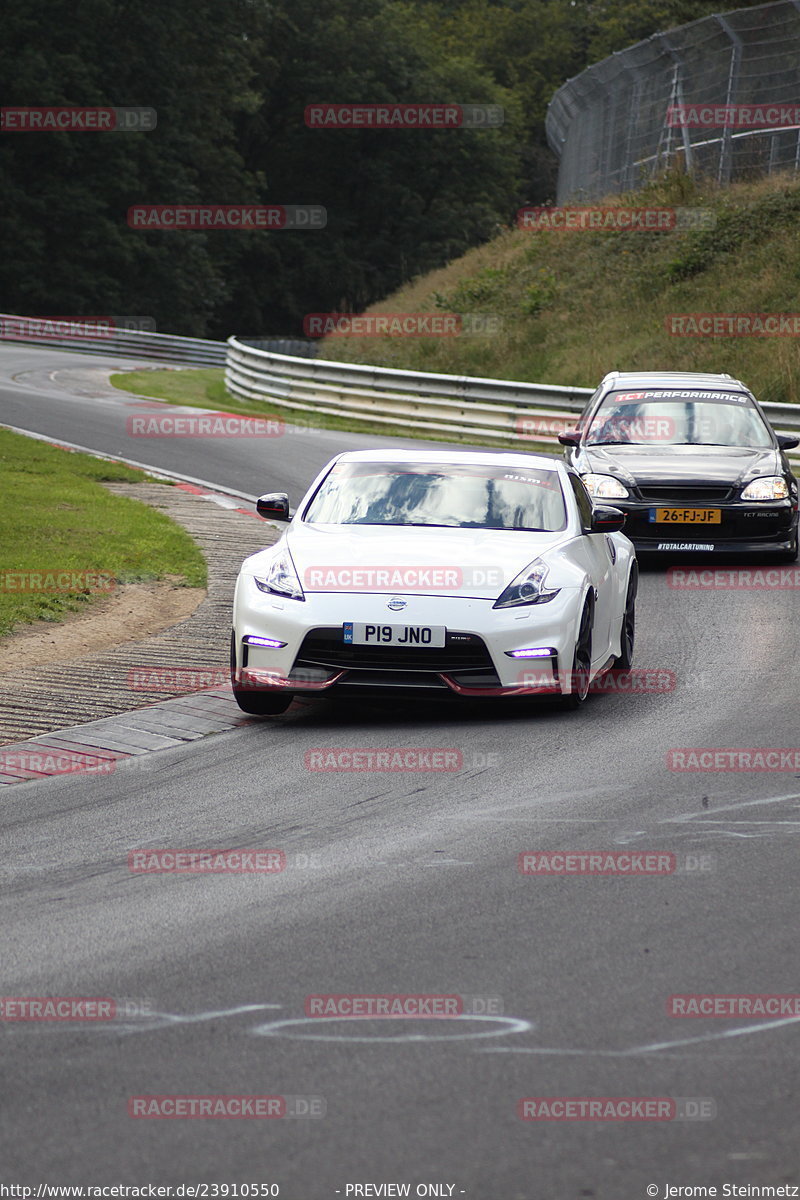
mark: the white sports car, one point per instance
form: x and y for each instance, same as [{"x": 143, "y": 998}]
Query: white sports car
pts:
[{"x": 435, "y": 573}]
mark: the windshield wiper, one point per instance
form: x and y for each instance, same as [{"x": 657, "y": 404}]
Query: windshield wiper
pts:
[{"x": 617, "y": 442}]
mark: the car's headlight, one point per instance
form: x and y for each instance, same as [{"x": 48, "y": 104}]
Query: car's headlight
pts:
[
  {"x": 771, "y": 487},
  {"x": 529, "y": 587},
  {"x": 605, "y": 487},
  {"x": 281, "y": 578}
]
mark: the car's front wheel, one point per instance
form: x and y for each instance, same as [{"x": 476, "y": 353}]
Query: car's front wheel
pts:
[
  {"x": 582, "y": 660},
  {"x": 268, "y": 702},
  {"x": 624, "y": 661}
]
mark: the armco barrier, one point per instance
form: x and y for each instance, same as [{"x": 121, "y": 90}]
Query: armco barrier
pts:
[
  {"x": 136, "y": 343},
  {"x": 489, "y": 408},
  {"x": 460, "y": 404},
  {"x": 122, "y": 343}
]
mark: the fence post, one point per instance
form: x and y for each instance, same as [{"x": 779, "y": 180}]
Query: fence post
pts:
[
  {"x": 677, "y": 88},
  {"x": 726, "y": 145}
]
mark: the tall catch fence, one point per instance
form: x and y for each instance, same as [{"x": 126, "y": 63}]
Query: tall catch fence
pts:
[{"x": 719, "y": 97}]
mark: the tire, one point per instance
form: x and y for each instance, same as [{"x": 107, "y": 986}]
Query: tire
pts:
[
  {"x": 262, "y": 704},
  {"x": 581, "y": 661},
  {"x": 270, "y": 702},
  {"x": 624, "y": 660}
]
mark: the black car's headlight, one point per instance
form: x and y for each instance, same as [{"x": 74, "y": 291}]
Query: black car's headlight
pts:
[
  {"x": 280, "y": 578},
  {"x": 605, "y": 487},
  {"x": 529, "y": 587},
  {"x": 769, "y": 487}
]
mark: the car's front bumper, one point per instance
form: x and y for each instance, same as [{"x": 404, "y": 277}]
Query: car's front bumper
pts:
[
  {"x": 765, "y": 528},
  {"x": 474, "y": 662}
]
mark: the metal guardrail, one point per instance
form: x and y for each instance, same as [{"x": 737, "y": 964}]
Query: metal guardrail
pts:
[
  {"x": 493, "y": 408},
  {"x": 129, "y": 341},
  {"x": 462, "y": 404},
  {"x": 71, "y": 334}
]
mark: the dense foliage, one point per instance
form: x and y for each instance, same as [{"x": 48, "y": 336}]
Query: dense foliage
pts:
[{"x": 230, "y": 80}]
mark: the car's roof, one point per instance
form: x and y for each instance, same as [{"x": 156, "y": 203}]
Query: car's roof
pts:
[
  {"x": 667, "y": 379},
  {"x": 501, "y": 458}
]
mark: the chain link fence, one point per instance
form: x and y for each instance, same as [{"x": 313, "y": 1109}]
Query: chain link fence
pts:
[{"x": 719, "y": 97}]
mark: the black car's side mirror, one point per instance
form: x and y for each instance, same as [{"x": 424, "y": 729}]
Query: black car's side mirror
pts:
[
  {"x": 606, "y": 519},
  {"x": 570, "y": 437},
  {"x": 273, "y": 507},
  {"x": 787, "y": 441}
]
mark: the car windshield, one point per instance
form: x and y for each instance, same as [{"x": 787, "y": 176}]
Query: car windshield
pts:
[
  {"x": 457, "y": 496},
  {"x": 678, "y": 418}
]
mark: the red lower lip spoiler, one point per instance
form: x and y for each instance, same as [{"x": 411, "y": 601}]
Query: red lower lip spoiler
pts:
[
  {"x": 262, "y": 680},
  {"x": 514, "y": 689}
]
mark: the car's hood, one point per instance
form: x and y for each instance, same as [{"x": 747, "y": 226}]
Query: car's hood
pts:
[
  {"x": 681, "y": 464},
  {"x": 397, "y": 560}
]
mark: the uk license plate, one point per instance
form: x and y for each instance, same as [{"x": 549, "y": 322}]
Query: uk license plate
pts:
[
  {"x": 358, "y": 633},
  {"x": 687, "y": 516}
]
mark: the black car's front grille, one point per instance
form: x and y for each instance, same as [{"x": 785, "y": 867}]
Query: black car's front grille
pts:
[
  {"x": 325, "y": 647},
  {"x": 682, "y": 493}
]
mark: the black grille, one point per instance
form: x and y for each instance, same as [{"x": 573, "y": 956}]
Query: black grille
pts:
[
  {"x": 462, "y": 652},
  {"x": 684, "y": 493}
]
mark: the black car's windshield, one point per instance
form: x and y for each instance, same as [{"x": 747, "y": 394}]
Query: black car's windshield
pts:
[
  {"x": 677, "y": 418},
  {"x": 458, "y": 496}
]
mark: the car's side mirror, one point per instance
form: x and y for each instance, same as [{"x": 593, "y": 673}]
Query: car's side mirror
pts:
[
  {"x": 570, "y": 437},
  {"x": 787, "y": 441},
  {"x": 606, "y": 519},
  {"x": 273, "y": 507}
]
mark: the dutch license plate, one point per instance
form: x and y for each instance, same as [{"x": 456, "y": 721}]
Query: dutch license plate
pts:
[
  {"x": 358, "y": 633},
  {"x": 687, "y": 516}
]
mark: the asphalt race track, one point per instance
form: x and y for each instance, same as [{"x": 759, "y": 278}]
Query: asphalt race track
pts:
[{"x": 408, "y": 883}]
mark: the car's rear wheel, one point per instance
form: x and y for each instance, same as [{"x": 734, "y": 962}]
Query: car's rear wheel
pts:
[
  {"x": 582, "y": 660},
  {"x": 267, "y": 703},
  {"x": 624, "y": 660}
]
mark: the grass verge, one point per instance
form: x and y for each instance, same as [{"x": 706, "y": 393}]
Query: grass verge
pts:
[
  {"x": 55, "y": 517},
  {"x": 574, "y": 305}
]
